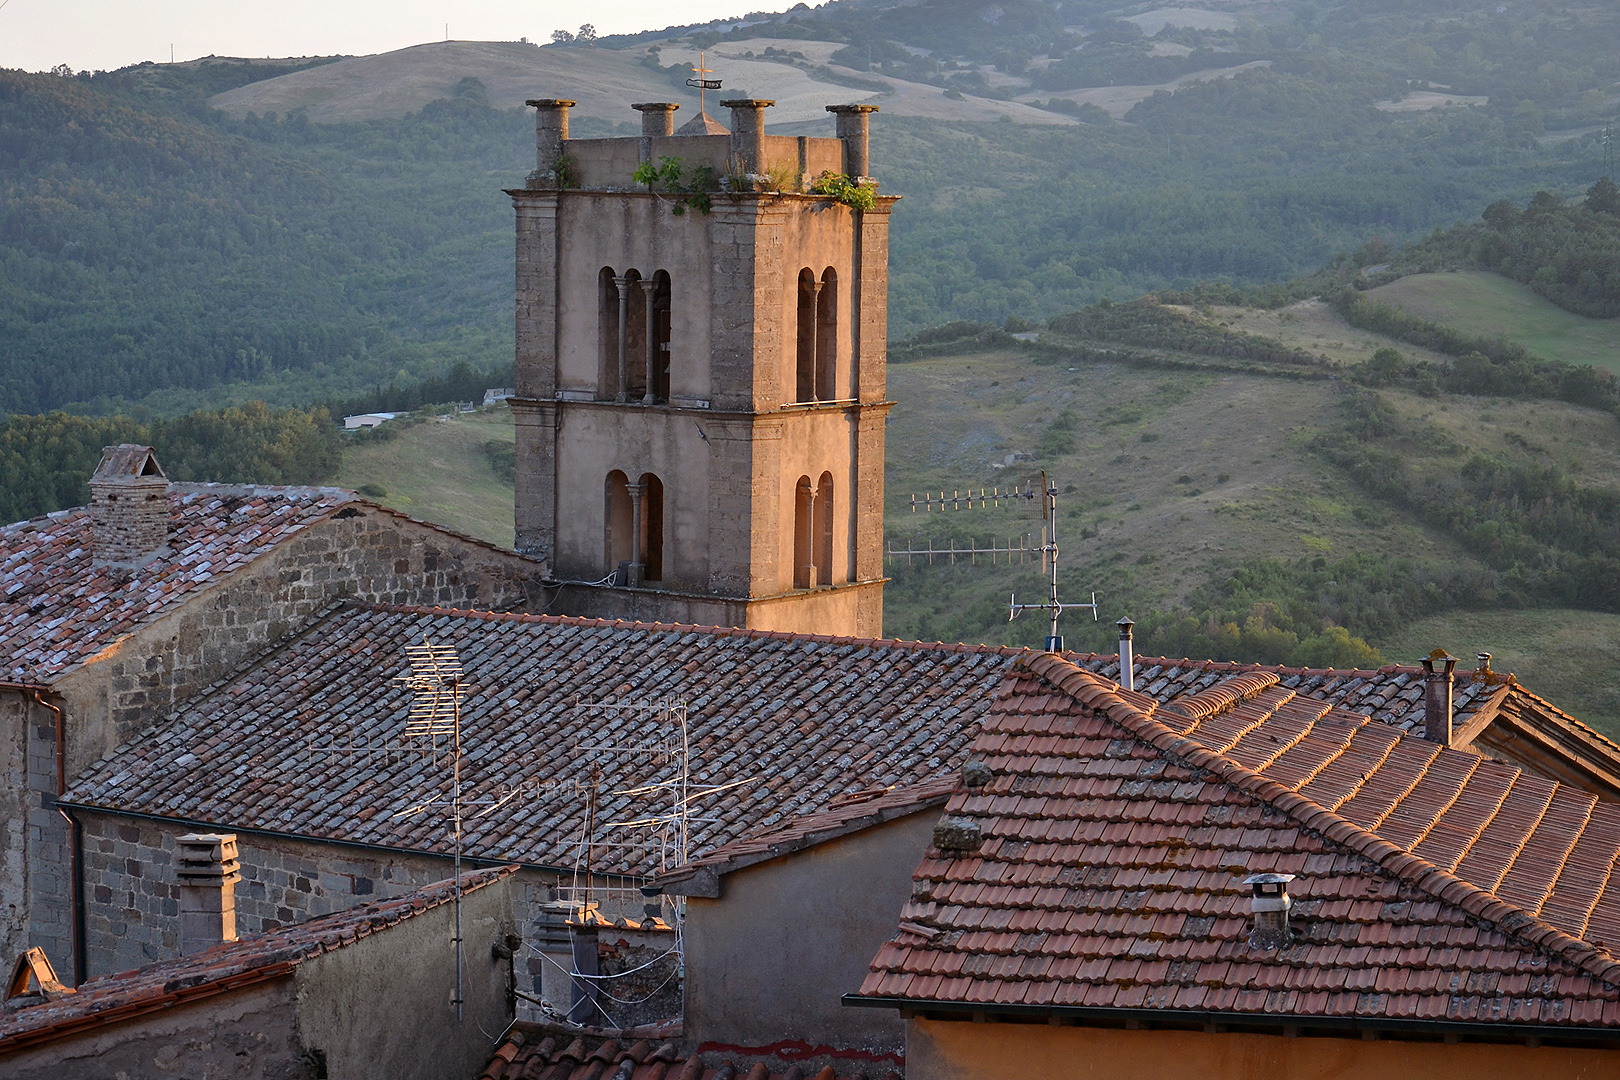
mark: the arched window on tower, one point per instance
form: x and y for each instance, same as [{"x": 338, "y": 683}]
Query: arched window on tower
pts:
[
  {"x": 652, "y": 528},
  {"x": 824, "y": 529},
  {"x": 617, "y": 539},
  {"x": 804, "y": 504},
  {"x": 658, "y": 356},
  {"x": 805, "y": 383},
  {"x": 622, "y": 330},
  {"x": 634, "y": 540},
  {"x": 607, "y": 333},
  {"x": 827, "y": 337}
]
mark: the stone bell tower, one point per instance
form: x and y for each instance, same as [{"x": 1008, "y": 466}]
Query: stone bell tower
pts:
[{"x": 700, "y": 374}]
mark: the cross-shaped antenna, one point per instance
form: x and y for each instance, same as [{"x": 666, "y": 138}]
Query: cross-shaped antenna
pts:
[
  {"x": 703, "y": 85},
  {"x": 1048, "y": 549}
]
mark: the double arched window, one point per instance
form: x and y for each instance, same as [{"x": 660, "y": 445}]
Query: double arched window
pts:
[
  {"x": 813, "y": 532},
  {"x": 634, "y": 540},
  {"x": 817, "y": 368},
  {"x": 633, "y": 323}
]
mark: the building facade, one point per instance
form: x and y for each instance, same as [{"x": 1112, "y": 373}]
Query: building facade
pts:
[{"x": 701, "y": 385}]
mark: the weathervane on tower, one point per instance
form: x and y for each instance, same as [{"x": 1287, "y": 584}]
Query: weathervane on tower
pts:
[{"x": 703, "y": 85}]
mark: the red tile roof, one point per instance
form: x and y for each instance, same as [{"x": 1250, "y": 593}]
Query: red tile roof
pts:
[
  {"x": 114, "y": 998},
  {"x": 803, "y": 719},
  {"x": 1432, "y": 884},
  {"x": 57, "y": 608},
  {"x": 845, "y": 815},
  {"x": 543, "y": 1054}
]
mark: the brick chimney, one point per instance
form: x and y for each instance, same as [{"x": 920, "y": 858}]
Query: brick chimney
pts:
[
  {"x": 1437, "y": 682},
  {"x": 129, "y": 506},
  {"x": 208, "y": 870}
]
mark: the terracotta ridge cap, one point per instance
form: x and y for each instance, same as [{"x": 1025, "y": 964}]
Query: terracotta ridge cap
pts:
[
  {"x": 689, "y": 628},
  {"x": 1225, "y": 695},
  {"x": 1513, "y": 920}
]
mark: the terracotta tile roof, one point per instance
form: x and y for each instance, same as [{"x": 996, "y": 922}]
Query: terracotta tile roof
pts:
[
  {"x": 1433, "y": 884},
  {"x": 844, "y": 815},
  {"x": 802, "y": 718},
  {"x": 1393, "y": 693},
  {"x": 57, "y": 609},
  {"x": 560, "y": 1054},
  {"x": 114, "y": 998}
]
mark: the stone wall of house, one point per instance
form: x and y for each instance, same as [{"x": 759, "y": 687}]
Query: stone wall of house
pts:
[
  {"x": 362, "y": 552},
  {"x": 131, "y": 899}
]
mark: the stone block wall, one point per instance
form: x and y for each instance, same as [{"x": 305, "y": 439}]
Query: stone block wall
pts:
[
  {"x": 131, "y": 896},
  {"x": 362, "y": 552}
]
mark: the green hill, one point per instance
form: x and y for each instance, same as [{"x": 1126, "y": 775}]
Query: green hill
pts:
[{"x": 1488, "y": 305}]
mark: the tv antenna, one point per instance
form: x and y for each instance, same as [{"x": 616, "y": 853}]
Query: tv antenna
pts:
[
  {"x": 702, "y": 85},
  {"x": 1020, "y": 550}
]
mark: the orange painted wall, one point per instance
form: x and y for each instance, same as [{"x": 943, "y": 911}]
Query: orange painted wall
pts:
[{"x": 961, "y": 1050}]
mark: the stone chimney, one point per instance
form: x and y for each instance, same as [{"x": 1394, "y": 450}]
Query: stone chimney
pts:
[
  {"x": 748, "y": 133},
  {"x": 1437, "y": 682},
  {"x": 657, "y": 118},
  {"x": 129, "y": 506},
  {"x": 550, "y": 136},
  {"x": 1127, "y": 656},
  {"x": 854, "y": 127},
  {"x": 208, "y": 870}
]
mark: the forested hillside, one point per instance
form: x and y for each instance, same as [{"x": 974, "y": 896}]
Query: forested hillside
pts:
[{"x": 154, "y": 251}]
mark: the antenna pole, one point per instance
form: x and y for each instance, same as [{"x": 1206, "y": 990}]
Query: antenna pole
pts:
[
  {"x": 456, "y": 812},
  {"x": 1054, "y": 643}
]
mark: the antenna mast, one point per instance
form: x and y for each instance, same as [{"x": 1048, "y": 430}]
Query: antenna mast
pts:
[{"x": 1048, "y": 549}]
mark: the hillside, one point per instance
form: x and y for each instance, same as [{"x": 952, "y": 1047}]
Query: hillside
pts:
[
  {"x": 158, "y": 251},
  {"x": 1488, "y": 305}
]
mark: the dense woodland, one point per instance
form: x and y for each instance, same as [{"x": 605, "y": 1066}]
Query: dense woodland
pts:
[{"x": 163, "y": 267}]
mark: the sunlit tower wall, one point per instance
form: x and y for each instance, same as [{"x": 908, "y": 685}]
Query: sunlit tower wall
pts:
[{"x": 701, "y": 388}]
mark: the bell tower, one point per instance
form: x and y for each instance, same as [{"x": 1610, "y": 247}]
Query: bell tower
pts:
[{"x": 700, "y": 372}]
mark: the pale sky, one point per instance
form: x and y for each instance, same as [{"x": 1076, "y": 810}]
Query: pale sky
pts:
[{"x": 106, "y": 34}]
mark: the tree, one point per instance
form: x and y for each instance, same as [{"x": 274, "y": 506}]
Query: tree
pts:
[
  {"x": 587, "y": 33},
  {"x": 561, "y": 37},
  {"x": 1603, "y": 197}
]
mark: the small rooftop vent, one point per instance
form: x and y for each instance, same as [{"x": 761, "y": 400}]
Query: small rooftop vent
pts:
[
  {"x": 1270, "y": 903},
  {"x": 1127, "y": 655}
]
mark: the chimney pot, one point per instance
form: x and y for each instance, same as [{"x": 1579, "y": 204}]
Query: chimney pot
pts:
[
  {"x": 207, "y": 867},
  {"x": 550, "y": 137},
  {"x": 748, "y": 133},
  {"x": 854, "y": 130},
  {"x": 1127, "y": 655},
  {"x": 657, "y": 117},
  {"x": 1269, "y": 902},
  {"x": 1484, "y": 664},
  {"x": 1438, "y": 667},
  {"x": 129, "y": 506}
]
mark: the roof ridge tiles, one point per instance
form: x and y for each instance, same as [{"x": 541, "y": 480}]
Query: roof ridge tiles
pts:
[
  {"x": 687, "y": 628},
  {"x": 1420, "y": 873}
]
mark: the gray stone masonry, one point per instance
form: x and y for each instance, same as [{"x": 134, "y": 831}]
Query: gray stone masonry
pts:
[{"x": 133, "y": 903}]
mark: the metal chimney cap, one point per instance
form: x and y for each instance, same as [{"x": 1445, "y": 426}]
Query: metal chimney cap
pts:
[
  {"x": 1439, "y": 656},
  {"x": 1268, "y": 879},
  {"x": 1125, "y": 625}
]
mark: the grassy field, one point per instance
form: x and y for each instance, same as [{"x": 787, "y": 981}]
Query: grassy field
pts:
[
  {"x": 1490, "y": 305},
  {"x": 1568, "y": 657},
  {"x": 1164, "y": 476},
  {"x": 1315, "y": 327},
  {"x": 437, "y": 470}
]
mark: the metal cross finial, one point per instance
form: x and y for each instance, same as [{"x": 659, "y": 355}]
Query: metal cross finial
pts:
[{"x": 703, "y": 85}]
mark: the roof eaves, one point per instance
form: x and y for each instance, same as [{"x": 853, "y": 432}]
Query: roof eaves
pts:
[{"x": 1515, "y": 921}]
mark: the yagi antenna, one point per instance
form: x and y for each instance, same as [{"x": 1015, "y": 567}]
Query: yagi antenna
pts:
[{"x": 1019, "y": 550}]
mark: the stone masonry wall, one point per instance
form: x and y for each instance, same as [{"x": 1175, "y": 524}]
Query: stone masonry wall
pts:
[{"x": 132, "y": 901}]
